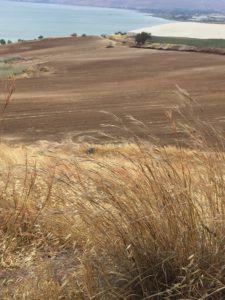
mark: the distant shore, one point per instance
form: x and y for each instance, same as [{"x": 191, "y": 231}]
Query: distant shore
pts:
[
  {"x": 63, "y": 20},
  {"x": 187, "y": 30}
]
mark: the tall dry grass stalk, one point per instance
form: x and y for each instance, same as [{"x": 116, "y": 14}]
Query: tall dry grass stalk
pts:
[
  {"x": 10, "y": 89},
  {"x": 127, "y": 221}
]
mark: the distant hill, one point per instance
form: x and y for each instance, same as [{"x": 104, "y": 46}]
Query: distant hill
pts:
[{"x": 146, "y": 4}]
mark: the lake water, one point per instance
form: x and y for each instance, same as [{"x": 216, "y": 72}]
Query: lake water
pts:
[{"x": 28, "y": 20}]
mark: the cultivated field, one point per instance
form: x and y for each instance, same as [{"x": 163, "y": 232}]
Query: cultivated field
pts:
[{"x": 70, "y": 81}]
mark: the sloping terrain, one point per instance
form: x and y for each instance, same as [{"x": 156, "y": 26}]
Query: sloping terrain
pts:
[{"x": 70, "y": 81}]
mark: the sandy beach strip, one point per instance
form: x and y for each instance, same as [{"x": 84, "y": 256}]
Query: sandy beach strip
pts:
[{"x": 187, "y": 29}]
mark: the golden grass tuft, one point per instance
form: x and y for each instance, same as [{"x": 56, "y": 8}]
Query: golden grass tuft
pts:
[{"x": 123, "y": 222}]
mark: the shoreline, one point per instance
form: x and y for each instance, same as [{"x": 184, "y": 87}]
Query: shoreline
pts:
[
  {"x": 193, "y": 30},
  {"x": 89, "y": 20}
]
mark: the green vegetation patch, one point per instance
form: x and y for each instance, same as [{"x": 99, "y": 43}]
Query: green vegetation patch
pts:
[
  {"x": 200, "y": 43},
  {"x": 10, "y": 59},
  {"x": 9, "y": 70}
]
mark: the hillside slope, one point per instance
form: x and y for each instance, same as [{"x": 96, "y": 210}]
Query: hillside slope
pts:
[{"x": 70, "y": 81}]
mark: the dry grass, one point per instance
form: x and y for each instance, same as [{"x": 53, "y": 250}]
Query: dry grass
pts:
[
  {"x": 125, "y": 222},
  {"x": 122, "y": 221}
]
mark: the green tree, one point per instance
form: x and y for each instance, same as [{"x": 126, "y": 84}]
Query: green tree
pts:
[
  {"x": 142, "y": 38},
  {"x": 2, "y": 42}
]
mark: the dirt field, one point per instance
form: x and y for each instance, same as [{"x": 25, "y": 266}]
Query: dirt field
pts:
[{"x": 75, "y": 79}]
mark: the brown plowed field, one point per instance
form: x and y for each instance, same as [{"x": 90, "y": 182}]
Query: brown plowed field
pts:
[{"x": 83, "y": 77}]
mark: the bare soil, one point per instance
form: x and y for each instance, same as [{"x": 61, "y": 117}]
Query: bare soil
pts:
[{"x": 76, "y": 79}]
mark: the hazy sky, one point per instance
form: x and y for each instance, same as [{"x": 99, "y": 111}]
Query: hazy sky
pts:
[{"x": 168, "y": 4}]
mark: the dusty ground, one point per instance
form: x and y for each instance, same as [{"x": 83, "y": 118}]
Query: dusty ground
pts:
[{"x": 82, "y": 77}]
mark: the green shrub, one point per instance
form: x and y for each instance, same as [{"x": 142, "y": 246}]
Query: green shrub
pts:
[{"x": 142, "y": 38}]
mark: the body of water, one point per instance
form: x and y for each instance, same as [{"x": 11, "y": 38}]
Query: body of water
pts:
[{"x": 29, "y": 20}]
